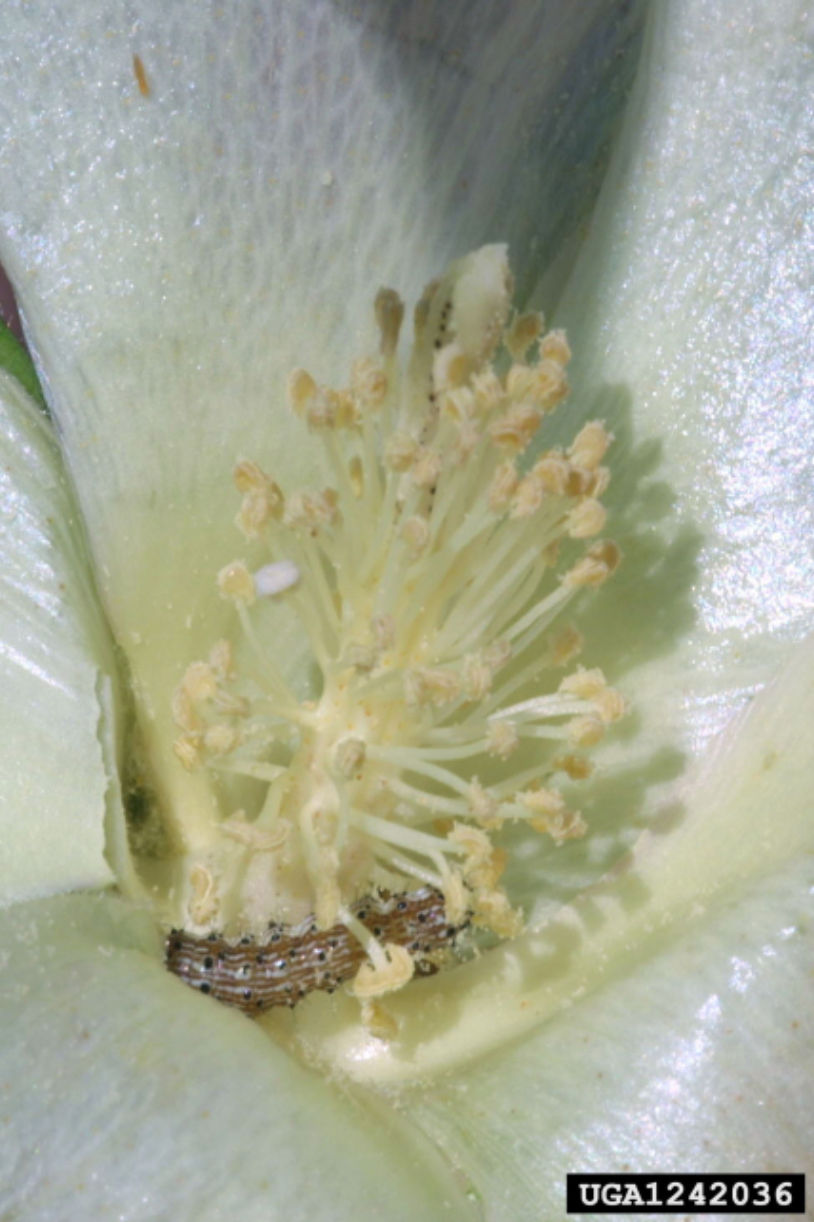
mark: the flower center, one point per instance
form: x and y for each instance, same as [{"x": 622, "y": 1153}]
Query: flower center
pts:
[{"x": 430, "y": 574}]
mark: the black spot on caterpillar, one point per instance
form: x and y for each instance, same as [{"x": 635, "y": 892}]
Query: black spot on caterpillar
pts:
[{"x": 295, "y": 960}]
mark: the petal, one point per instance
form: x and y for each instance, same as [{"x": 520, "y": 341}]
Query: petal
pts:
[
  {"x": 189, "y": 230},
  {"x": 57, "y": 762},
  {"x": 700, "y": 1059},
  {"x": 195, "y": 202},
  {"x": 691, "y": 307},
  {"x": 130, "y": 1096}
]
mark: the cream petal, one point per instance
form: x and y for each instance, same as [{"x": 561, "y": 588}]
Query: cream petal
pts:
[
  {"x": 58, "y": 781},
  {"x": 700, "y": 1059},
  {"x": 133, "y": 1097},
  {"x": 692, "y": 311}
]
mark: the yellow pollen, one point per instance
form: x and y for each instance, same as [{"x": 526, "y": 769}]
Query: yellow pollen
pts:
[
  {"x": 525, "y": 329},
  {"x": 219, "y": 739},
  {"x": 301, "y": 390},
  {"x": 577, "y": 767},
  {"x": 552, "y": 472},
  {"x": 378, "y": 1020},
  {"x": 221, "y": 659},
  {"x": 456, "y": 898},
  {"x": 199, "y": 682},
  {"x": 450, "y": 367},
  {"x": 428, "y": 685},
  {"x": 567, "y": 646},
  {"x": 416, "y": 533},
  {"x": 203, "y": 902},
  {"x": 543, "y": 801},
  {"x": 590, "y": 445},
  {"x": 389, "y": 311},
  {"x": 186, "y": 749},
  {"x": 586, "y": 731},
  {"x": 560, "y": 825},
  {"x": 236, "y": 582},
  {"x": 555, "y": 347},
  {"x": 374, "y": 980},
  {"x": 262, "y": 499},
  {"x": 503, "y": 485},
  {"x": 502, "y": 739},
  {"x": 514, "y": 430},
  {"x": 368, "y": 383},
  {"x": 587, "y": 519},
  {"x": 426, "y": 468},
  {"x": 482, "y": 805}
]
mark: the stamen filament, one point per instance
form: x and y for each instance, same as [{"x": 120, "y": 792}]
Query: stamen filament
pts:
[
  {"x": 286, "y": 701},
  {"x": 406, "y": 837},
  {"x": 425, "y": 579}
]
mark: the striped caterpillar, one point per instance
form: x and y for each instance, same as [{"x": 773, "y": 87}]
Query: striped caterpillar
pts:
[{"x": 297, "y": 959}]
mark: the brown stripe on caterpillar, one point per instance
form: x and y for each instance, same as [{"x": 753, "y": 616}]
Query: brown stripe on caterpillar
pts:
[{"x": 297, "y": 959}]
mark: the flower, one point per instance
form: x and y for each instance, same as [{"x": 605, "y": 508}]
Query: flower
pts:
[{"x": 170, "y": 270}]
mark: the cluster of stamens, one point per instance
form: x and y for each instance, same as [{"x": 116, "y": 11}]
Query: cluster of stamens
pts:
[{"x": 428, "y": 574}]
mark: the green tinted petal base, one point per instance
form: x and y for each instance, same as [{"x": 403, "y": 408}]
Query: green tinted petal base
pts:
[
  {"x": 699, "y": 1059},
  {"x": 133, "y": 1098}
]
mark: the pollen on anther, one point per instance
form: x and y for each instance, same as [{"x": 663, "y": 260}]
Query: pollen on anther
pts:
[{"x": 429, "y": 571}]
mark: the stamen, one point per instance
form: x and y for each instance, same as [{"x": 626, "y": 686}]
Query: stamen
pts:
[{"x": 426, "y": 578}]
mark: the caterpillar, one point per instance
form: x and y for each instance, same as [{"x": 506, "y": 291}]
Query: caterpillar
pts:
[{"x": 294, "y": 960}]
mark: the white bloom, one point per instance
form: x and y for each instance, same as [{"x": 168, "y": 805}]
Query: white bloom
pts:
[{"x": 192, "y": 205}]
